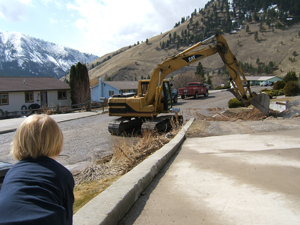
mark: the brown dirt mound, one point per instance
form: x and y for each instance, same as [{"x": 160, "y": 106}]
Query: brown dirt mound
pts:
[{"x": 244, "y": 114}]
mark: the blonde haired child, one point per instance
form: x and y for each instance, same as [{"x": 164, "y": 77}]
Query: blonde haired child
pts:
[{"x": 37, "y": 189}]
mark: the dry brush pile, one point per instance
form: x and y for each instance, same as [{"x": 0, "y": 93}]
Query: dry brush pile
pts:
[
  {"x": 124, "y": 158},
  {"x": 105, "y": 170}
]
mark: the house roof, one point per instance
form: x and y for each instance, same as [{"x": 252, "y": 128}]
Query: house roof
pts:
[
  {"x": 14, "y": 84},
  {"x": 123, "y": 85},
  {"x": 259, "y": 78}
]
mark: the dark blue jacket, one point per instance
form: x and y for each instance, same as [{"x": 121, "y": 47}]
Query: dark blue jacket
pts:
[{"x": 37, "y": 191}]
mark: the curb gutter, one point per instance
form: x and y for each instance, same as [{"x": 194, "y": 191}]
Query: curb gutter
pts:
[{"x": 110, "y": 206}]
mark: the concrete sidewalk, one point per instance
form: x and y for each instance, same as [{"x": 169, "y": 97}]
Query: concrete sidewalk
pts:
[
  {"x": 10, "y": 125},
  {"x": 233, "y": 179}
]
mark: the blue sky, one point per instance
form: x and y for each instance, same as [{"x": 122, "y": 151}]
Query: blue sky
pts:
[{"x": 94, "y": 26}]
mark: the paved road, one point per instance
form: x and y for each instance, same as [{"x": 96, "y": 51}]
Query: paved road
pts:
[{"x": 85, "y": 137}]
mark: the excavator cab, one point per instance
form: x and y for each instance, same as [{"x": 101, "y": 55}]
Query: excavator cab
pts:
[
  {"x": 165, "y": 104},
  {"x": 166, "y": 98}
]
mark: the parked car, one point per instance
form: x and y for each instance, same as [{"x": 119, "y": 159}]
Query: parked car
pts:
[
  {"x": 174, "y": 95},
  {"x": 266, "y": 83},
  {"x": 193, "y": 89},
  {"x": 4, "y": 167}
]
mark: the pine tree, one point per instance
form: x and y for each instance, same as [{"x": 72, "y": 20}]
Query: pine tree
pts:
[
  {"x": 209, "y": 80},
  {"x": 72, "y": 84},
  {"x": 80, "y": 85},
  {"x": 199, "y": 70},
  {"x": 256, "y": 36},
  {"x": 247, "y": 28}
]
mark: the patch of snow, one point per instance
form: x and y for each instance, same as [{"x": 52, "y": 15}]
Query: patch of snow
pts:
[{"x": 26, "y": 50}]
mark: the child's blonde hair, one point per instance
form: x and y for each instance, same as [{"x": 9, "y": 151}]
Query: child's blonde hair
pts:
[{"x": 38, "y": 135}]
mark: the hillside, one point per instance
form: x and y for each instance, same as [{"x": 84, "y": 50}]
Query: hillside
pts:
[{"x": 271, "y": 43}]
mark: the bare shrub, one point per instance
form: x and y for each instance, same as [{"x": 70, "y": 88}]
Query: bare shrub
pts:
[{"x": 184, "y": 78}]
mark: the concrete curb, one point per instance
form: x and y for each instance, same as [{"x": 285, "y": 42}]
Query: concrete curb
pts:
[
  {"x": 8, "y": 131},
  {"x": 111, "y": 205}
]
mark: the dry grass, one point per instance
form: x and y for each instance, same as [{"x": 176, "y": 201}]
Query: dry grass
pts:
[
  {"x": 84, "y": 192},
  {"x": 94, "y": 179}
]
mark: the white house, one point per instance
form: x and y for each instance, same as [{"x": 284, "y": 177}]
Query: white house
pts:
[
  {"x": 21, "y": 93},
  {"x": 256, "y": 80},
  {"x": 108, "y": 88}
]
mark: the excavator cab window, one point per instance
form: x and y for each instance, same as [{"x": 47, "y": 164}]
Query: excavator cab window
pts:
[
  {"x": 167, "y": 97},
  {"x": 144, "y": 87}
]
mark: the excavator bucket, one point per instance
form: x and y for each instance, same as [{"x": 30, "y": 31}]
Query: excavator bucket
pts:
[{"x": 262, "y": 102}]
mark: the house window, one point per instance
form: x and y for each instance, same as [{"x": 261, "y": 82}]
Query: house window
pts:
[
  {"x": 62, "y": 95},
  {"x": 3, "y": 98},
  {"x": 28, "y": 97},
  {"x": 111, "y": 93}
]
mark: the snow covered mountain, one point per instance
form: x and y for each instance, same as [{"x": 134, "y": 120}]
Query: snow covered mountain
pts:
[{"x": 21, "y": 55}]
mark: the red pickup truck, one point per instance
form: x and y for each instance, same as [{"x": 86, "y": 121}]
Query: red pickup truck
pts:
[{"x": 193, "y": 89}]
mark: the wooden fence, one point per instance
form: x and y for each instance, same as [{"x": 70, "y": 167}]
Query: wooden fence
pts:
[{"x": 59, "y": 109}]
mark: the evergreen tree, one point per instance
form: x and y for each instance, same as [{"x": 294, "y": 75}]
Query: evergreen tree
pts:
[
  {"x": 72, "y": 84},
  {"x": 182, "y": 20},
  {"x": 209, "y": 81},
  {"x": 174, "y": 36},
  {"x": 256, "y": 36},
  {"x": 80, "y": 85},
  {"x": 247, "y": 28},
  {"x": 290, "y": 76},
  {"x": 200, "y": 70}
]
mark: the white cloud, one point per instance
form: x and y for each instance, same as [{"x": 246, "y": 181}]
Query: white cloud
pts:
[
  {"x": 14, "y": 10},
  {"x": 58, "y": 4},
  {"x": 25, "y": 1},
  {"x": 109, "y": 25},
  {"x": 96, "y": 26},
  {"x": 52, "y": 21}
]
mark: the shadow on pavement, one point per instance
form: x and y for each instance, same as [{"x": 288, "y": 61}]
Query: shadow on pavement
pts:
[{"x": 139, "y": 205}]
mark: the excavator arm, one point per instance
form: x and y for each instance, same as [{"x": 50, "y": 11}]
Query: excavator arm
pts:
[
  {"x": 142, "y": 110},
  {"x": 192, "y": 55}
]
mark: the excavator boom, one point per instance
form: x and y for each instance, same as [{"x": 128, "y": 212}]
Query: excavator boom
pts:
[
  {"x": 191, "y": 55},
  {"x": 155, "y": 100}
]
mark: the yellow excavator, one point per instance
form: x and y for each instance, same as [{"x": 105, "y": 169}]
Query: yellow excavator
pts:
[{"x": 144, "y": 110}]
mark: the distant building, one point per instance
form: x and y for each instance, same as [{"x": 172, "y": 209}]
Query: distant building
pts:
[
  {"x": 108, "y": 88},
  {"x": 21, "y": 93},
  {"x": 256, "y": 80}
]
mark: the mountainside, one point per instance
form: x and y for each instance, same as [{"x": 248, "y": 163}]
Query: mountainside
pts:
[
  {"x": 258, "y": 35},
  {"x": 21, "y": 55}
]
